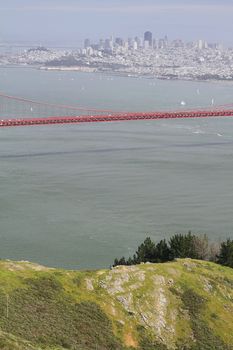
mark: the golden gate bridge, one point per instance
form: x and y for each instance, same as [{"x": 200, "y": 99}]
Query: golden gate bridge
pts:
[{"x": 18, "y": 111}]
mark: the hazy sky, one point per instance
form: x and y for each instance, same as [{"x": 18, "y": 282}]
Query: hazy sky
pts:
[{"x": 70, "y": 21}]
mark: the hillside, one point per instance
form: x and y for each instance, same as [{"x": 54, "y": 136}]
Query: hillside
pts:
[{"x": 187, "y": 304}]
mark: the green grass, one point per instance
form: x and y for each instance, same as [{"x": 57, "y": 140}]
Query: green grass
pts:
[
  {"x": 43, "y": 314},
  {"x": 205, "y": 338}
]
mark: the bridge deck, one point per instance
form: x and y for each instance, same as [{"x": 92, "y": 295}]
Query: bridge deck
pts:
[{"x": 115, "y": 117}]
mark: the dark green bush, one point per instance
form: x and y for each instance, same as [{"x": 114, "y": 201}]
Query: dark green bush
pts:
[{"x": 226, "y": 253}]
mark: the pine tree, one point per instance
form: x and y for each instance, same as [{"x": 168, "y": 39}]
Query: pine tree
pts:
[
  {"x": 162, "y": 252},
  {"x": 226, "y": 253},
  {"x": 146, "y": 252},
  {"x": 183, "y": 246},
  {"x": 120, "y": 261}
]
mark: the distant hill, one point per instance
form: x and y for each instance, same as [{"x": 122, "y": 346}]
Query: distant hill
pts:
[{"x": 186, "y": 304}]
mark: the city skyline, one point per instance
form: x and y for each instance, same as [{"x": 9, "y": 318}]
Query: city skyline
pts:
[
  {"x": 72, "y": 21},
  {"x": 146, "y": 40}
]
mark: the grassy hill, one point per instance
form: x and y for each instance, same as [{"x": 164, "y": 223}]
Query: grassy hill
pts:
[{"x": 186, "y": 304}]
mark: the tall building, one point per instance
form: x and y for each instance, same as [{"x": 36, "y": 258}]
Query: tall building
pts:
[
  {"x": 146, "y": 44},
  {"x": 130, "y": 43},
  {"x": 139, "y": 42},
  {"x": 87, "y": 43},
  {"x": 119, "y": 41},
  {"x": 148, "y": 37},
  {"x": 166, "y": 43},
  {"x": 108, "y": 45},
  {"x": 135, "y": 45},
  {"x": 101, "y": 44},
  {"x": 155, "y": 44},
  {"x": 201, "y": 44}
]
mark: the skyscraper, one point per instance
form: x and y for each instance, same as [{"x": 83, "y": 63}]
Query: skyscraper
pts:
[
  {"x": 148, "y": 37},
  {"x": 87, "y": 43},
  {"x": 139, "y": 42},
  {"x": 119, "y": 41}
]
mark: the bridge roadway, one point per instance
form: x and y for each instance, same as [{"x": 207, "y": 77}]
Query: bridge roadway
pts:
[{"x": 116, "y": 117}]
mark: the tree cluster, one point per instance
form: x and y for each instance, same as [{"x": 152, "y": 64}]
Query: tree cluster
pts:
[{"x": 181, "y": 246}]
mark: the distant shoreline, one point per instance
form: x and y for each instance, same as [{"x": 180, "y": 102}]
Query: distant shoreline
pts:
[{"x": 80, "y": 69}]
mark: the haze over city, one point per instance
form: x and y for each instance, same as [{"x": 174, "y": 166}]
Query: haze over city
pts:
[{"x": 70, "y": 22}]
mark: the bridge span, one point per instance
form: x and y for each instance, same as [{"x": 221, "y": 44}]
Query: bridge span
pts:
[
  {"x": 40, "y": 113},
  {"x": 114, "y": 117}
]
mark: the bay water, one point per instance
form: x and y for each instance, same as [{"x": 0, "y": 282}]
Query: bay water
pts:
[{"x": 77, "y": 196}]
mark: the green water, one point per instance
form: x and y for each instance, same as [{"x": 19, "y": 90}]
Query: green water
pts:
[{"x": 76, "y": 196}]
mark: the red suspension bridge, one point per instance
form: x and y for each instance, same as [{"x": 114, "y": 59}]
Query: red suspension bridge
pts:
[{"x": 17, "y": 111}]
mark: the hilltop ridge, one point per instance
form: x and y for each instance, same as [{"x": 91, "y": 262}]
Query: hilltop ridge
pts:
[{"x": 186, "y": 304}]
